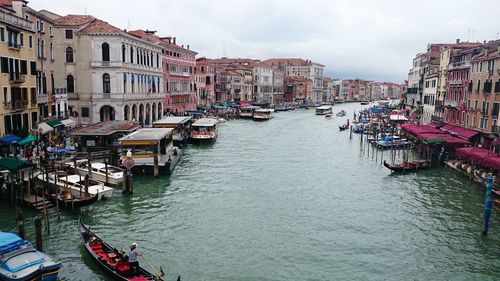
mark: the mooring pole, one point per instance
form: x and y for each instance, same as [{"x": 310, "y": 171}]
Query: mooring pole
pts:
[
  {"x": 487, "y": 204},
  {"x": 38, "y": 234},
  {"x": 20, "y": 223}
]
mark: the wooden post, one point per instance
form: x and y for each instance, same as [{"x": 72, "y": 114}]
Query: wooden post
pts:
[
  {"x": 38, "y": 234},
  {"x": 46, "y": 216},
  {"x": 350, "y": 133},
  {"x": 487, "y": 205},
  {"x": 87, "y": 185},
  {"x": 106, "y": 168},
  {"x": 89, "y": 167},
  {"x": 12, "y": 195},
  {"x": 155, "y": 168},
  {"x": 20, "y": 223}
]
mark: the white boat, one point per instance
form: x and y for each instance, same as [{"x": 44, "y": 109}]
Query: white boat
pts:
[
  {"x": 247, "y": 111},
  {"x": 181, "y": 126},
  {"x": 98, "y": 171},
  {"x": 205, "y": 129},
  {"x": 323, "y": 110},
  {"x": 262, "y": 114},
  {"x": 76, "y": 185}
]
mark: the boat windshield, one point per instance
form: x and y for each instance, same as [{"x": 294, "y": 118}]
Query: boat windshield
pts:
[{"x": 23, "y": 261}]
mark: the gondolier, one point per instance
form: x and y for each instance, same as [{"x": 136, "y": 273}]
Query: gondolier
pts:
[{"x": 133, "y": 255}]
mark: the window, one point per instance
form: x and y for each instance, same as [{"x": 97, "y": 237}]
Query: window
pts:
[
  {"x": 495, "y": 109},
  {"x": 85, "y": 112},
  {"x": 21, "y": 39},
  {"x": 69, "y": 34},
  {"x": 69, "y": 55},
  {"x": 106, "y": 83},
  {"x": 70, "y": 84},
  {"x": 105, "y": 52},
  {"x": 2, "y": 34},
  {"x": 131, "y": 54},
  {"x": 5, "y": 65},
  {"x": 123, "y": 52},
  {"x": 33, "y": 67},
  {"x": 30, "y": 41},
  {"x": 24, "y": 67},
  {"x": 478, "y": 85}
]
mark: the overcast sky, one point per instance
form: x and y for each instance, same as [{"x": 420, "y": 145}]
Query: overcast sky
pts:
[{"x": 369, "y": 39}]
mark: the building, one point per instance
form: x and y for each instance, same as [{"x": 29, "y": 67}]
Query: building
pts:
[
  {"x": 179, "y": 65},
  {"x": 429, "y": 91},
  {"x": 18, "y": 70},
  {"x": 298, "y": 89},
  {"x": 107, "y": 73},
  {"x": 205, "y": 81},
  {"x": 263, "y": 83},
  {"x": 483, "y": 101},
  {"x": 278, "y": 86},
  {"x": 49, "y": 104}
]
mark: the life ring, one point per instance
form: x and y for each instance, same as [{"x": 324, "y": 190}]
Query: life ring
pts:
[{"x": 75, "y": 114}]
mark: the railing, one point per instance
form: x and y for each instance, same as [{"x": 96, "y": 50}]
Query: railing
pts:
[
  {"x": 16, "y": 21},
  {"x": 455, "y": 65},
  {"x": 19, "y": 104},
  {"x": 42, "y": 98},
  {"x": 62, "y": 114},
  {"x": 127, "y": 96},
  {"x": 436, "y": 118},
  {"x": 7, "y": 104},
  {"x": 15, "y": 79},
  {"x": 438, "y": 104},
  {"x": 413, "y": 91},
  {"x": 14, "y": 45},
  {"x": 179, "y": 73},
  {"x": 452, "y": 103}
]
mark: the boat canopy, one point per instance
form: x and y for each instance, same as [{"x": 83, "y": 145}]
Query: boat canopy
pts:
[
  {"x": 9, "y": 242},
  {"x": 147, "y": 135},
  {"x": 205, "y": 122},
  {"x": 324, "y": 107},
  {"x": 173, "y": 120}
]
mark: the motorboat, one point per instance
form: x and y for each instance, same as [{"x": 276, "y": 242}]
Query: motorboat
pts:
[
  {"x": 109, "y": 174},
  {"x": 324, "y": 109},
  {"x": 262, "y": 114},
  {"x": 76, "y": 185},
  {"x": 205, "y": 129}
]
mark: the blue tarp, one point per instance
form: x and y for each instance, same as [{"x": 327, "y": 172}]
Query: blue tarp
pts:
[
  {"x": 9, "y": 242},
  {"x": 10, "y": 139}
]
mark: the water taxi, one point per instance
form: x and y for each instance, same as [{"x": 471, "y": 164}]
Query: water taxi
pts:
[
  {"x": 150, "y": 143},
  {"x": 76, "y": 185},
  {"x": 341, "y": 113},
  {"x": 19, "y": 260},
  {"x": 98, "y": 171},
  {"x": 262, "y": 114},
  {"x": 204, "y": 129},
  {"x": 247, "y": 111},
  {"x": 323, "y": 110},
  {"x": 181, "y": 126}
]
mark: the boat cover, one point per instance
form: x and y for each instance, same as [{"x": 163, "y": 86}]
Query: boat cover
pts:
[{"x": 9, "y": 242}]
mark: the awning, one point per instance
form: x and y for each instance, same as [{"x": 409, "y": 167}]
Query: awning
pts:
[
  {"x": 14, "y": 164},
  {"x": 10, "y": 139},
  {"x": 45, "y": 128},
  {"x": 476, "y": 154},
  {"x": 69, "y": 123},
  {"x": 54, "y": 123},
  {"x": 28, "y": 140},
  {"x": 416, "y": 129},
  {"x": 493, "y": 163},
  {"x": 462, "y": 133}
]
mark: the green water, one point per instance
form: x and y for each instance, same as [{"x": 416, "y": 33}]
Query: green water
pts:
[{"x": 289, "y": 199}]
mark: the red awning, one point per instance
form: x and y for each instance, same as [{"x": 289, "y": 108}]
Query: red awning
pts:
[
  {"x": 416, "y": 129},
  {"x": 460, "y": 132},
  {"x": 476, "y": 154},
  {"x": 435, "y": 124},
  {"x": 451, "y": 141},
  {"x": 493, "y": 163}
]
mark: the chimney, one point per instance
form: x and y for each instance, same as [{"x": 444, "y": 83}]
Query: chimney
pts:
[
  {"x": 174, "y": 40},
  {"x": 458, "y": 41},
  {"x": 188, "y": 47},
  {"x": 182, "y": 46}
]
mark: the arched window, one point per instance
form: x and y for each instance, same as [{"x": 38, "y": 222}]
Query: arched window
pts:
[
  {"x": 69, "y": 55},
  {"x": 106, "y": 83},
  {"x": 70, "y": 84},
  {"x": 123, "y": 52},
  {"x": 105, "y": 52},
  {"x": 131, "y": 54}
]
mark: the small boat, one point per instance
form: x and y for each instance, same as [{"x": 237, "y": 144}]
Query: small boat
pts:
[
  {"x": 328, "y": 116},
  {"x": 341, "y": 113},
  {"x": 365, "y": 102},
  {"x": 247, "y": 111},
  {"x": 111, "y": 260},
  {"x": 20, "y": 261},
  {"x": 76, "y": 185},
  {"x": 262, "y": 114},
  {"x": 323, "y": 110},
  {"x": 69, "y": 201},
  {"x": 343, "y": 127},
  {"x": 204, "y": 129},
  {"x": 408, "y": 166},
  {"x": 98, "y": 171}
]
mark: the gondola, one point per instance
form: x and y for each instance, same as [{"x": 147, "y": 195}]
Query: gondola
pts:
[
  {"x": 113, "y": 261},
  {"x": 343, "y": 127},
  {"x": 408, "y": 166}
]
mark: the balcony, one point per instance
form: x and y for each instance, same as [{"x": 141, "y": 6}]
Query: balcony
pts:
[
  {"x": 106, "y": 64},
  {"x": 495, "y": 130},
  {"x": 458, "y": 65},
  {"x": 16, "y": 104},
  {"x": 123, "y": 97},
  {"x": 451, "y": 103},
  {"x": 42, "y": 98},
  {"x": 438, "y": 104},
  {"x": 179, "y": 73},
  {"x": 17, "y": 79},
  {"x": 436, "y": 118},
  {"x": 14, "y": 46},
  {"x": 415, "y": 91},
  {"x": 15, "y": 21}
]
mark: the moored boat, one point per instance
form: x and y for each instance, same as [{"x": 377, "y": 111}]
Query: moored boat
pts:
[
  {"x": 76, "y": 185},
  {"x": 98, "y": 171},
  {"x": 247, "y": 111},
  {"x": 205, "y": 129},
  {"x": 111, "y": 260},
  {"x": 69, "y": 201},
  {"x": 262, "y": 114},
  {"x": 20, "y": 261},
  {"x": 181, "y": 126},
  {"x": 408, "y": 166},
  {"x": 341, "y": 113}
]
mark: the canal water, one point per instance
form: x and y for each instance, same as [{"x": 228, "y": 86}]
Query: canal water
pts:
[{"x": 289, "y": 199}]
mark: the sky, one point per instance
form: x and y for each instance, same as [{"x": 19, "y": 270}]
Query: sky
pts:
[{"x": 366, "y": 39}]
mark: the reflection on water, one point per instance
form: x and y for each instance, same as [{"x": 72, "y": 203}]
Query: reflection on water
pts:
[{"x": 289, "y": 199}]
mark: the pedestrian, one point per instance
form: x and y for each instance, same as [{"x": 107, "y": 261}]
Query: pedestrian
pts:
[{"x": 132, "y": 257}]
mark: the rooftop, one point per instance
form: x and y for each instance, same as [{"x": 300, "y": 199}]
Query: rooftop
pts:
[
  {"x": 73, "y": 20},
  {"x": 147, "y": 134},
  {"x": 173, "y": 120},
  {"x": 107, "y": 128},
  {"x": 205, "y": 122},
  {"x": 99, "y": 26}
]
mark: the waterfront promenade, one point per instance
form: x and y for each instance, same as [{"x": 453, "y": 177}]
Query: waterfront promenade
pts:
[{"x": 289, "y": 199}]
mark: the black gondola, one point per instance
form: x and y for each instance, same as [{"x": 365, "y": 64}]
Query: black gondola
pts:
[
  {"x": 72, "y": 202},
  {"x": 408, "y": 166},
  {"x": 343, "y": 127},
  {"x": 112, "y": 260}
]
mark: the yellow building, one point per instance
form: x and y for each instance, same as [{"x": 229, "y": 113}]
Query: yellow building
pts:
[{"x": 18, "y": 113}]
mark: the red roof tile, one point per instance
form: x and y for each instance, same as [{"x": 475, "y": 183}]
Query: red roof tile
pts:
[
  {"x": 99, "y": 26},
  {"x": 73, "y": 20}
]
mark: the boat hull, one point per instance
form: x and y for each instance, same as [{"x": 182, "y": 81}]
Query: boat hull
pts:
[
  {"x": 166, "y": 169},
  {"x": 408, "y": 167}
]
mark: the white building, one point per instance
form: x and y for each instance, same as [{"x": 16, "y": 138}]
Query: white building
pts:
[
  {"x": 263, "y": 83},
  {"x": 107, "y": 73}
]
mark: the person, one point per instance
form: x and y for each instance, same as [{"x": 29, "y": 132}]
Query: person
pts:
[{"x": 133, "y": 257}]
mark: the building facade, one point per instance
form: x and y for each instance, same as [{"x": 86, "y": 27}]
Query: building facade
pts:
[
  {"x": 205, "y": 82},
  {"x": 18, "y": 71}
]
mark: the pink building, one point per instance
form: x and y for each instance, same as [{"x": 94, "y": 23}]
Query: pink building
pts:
[
  {"x": 179, "y": 65},
  {"x": 205, "y": 81}
]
